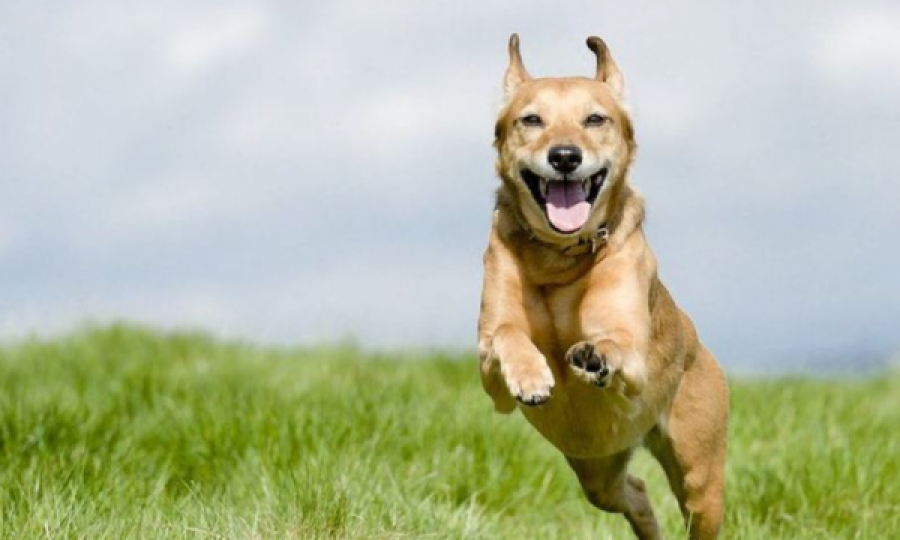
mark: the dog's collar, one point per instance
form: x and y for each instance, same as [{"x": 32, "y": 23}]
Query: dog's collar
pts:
[
  {"x": 584, "y": 245},
  {"x": 588, "y": 244}
]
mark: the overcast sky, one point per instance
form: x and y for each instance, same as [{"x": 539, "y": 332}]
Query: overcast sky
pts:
[{"x": 302, "y": 172}]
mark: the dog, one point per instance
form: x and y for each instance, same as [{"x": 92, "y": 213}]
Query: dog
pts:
[{"x": 576, "y": 329}]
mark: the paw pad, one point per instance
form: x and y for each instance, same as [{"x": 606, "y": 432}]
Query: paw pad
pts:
[{"x": 589, "y": 364}]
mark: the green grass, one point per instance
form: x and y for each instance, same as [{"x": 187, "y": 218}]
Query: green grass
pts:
[{"x": 123, "y": 433}]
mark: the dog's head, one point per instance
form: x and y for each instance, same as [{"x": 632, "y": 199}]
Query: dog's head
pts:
[{"x": 564, "y": 144}]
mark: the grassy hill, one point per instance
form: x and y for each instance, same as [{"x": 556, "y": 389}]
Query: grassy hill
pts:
[{"x": 123, "y": 433}]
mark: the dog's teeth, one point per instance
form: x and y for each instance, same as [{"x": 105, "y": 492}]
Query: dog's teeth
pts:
[
  {"x": 587, "y": 185},
  {"x": 544, "y": 187}
]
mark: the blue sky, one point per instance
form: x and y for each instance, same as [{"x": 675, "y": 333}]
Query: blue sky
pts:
[{"x": 301, "y": 172}]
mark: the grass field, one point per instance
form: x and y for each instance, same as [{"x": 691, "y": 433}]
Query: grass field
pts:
[{"x": 123, "y": 433}]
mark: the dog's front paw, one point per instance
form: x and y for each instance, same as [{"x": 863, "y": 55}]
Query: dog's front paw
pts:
[
  {"x": 589, "y": 364},
  {"x": 605, "y": 364},
  {"x": 528, "y": 382}
]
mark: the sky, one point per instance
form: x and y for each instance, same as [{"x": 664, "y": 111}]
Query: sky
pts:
[{"x": 312, "y": 172}]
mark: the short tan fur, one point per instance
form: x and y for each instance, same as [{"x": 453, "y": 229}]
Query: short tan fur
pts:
[{"x": 588, "y": 343}]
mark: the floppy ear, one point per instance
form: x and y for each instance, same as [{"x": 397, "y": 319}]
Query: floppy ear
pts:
[
  {"x": 607, "y": 70},
  {"x": 516, "y": 73}
]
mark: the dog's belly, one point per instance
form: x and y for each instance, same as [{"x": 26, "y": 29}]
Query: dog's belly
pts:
[{"x": 584, "y": 421}]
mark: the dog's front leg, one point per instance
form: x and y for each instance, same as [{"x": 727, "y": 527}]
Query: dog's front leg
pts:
[
  {"x": 514, "y": 362},
  {"x": 511, "y": 364},
  {"x": 615, "y": 320}
]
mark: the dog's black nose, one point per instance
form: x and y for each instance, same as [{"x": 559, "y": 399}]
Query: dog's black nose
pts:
[{"x": 565, "y": 158}]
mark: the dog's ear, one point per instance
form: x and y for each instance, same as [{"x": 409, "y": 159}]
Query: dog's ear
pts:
[
  {"x": 516, "y": 73},
  {"x": 607, "y": 70}
]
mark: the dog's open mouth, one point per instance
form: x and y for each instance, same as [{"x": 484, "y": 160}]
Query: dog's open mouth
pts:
[{"x": 566, "y": 202}]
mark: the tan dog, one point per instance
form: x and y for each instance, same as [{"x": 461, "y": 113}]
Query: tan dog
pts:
[{"x": 575, "y": 323}]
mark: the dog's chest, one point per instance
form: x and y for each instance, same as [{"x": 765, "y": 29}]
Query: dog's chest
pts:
[
  {"x": 580, "y": 419},
  {"x": 561, "y": 321}
]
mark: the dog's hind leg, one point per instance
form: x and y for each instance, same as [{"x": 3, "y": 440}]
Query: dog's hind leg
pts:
[
  {"x": 609, "y": 487},
  {"x": 690, "y": 446}
]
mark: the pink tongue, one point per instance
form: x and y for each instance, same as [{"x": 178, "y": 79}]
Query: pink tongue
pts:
[{"x": 566, "y": 206}]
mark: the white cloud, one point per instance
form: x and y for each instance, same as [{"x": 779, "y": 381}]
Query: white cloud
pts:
[
  {"x": 214, "y": 38},
  {"x": 162, "y": 207},
  {"x": 859, "y": 50}
]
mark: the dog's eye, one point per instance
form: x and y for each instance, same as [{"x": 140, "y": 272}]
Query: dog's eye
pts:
[
  {"x": 531, "y": 120},
  {"x": 595, "y": 120}
]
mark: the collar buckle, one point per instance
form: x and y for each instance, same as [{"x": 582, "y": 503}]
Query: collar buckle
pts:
[
  {"x": 599, "y": 239},
  {"x": 591, "y": 244}
]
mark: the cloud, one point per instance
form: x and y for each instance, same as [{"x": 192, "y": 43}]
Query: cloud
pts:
[
  {"x": 858, "y": 51},
  {"x": 211, "y": 41}
]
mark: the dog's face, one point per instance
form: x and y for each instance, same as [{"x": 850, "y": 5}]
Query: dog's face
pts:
[{"x": 563, "y": 143}]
